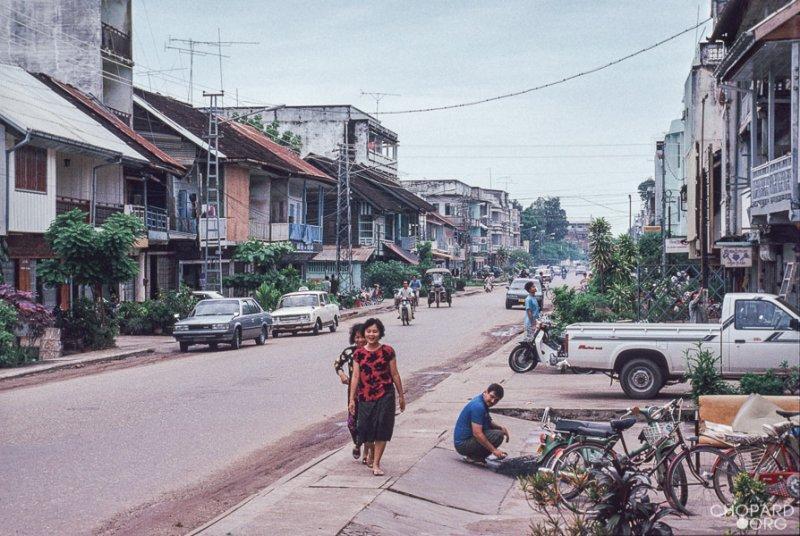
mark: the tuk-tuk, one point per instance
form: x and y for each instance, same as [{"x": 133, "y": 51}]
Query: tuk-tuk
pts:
[{"x": 440, "y": 286}]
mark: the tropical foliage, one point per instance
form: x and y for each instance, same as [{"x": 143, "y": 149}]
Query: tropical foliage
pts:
[
  {"x": 601, "y": 250},
  {"x": 389, "y": 274}
]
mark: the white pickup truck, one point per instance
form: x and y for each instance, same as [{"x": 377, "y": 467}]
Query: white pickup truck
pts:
[{"x": 756, "y": 333}]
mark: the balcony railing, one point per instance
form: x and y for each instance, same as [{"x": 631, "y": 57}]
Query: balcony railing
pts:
[
  {"x": 116, "y": 42},
  {"x": 259, "y": 230},
  {"x": 102, "y": 210},
  {"x": 154, "y": 218},
  {"x": 210, "y": 224},
  {"x": 771, "y": 187},
  {"x": 185, "y": 225},
  {"x": 296, "y": 232}
]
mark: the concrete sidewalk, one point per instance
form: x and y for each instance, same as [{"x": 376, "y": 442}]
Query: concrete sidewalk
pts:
[
  {"x": 428, "y": 489},
  {"x": 127, "y": 347}
]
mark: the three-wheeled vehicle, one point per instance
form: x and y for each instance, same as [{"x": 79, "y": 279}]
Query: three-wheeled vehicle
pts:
[{"x": 440, "y": 286}]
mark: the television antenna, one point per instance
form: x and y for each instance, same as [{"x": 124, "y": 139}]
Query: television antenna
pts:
[{"x": 378, "y": 97}]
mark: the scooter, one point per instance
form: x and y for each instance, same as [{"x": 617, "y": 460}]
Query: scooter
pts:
[
  {"x": 488, "y": 286},
  {"x": 542, "y": 347},
  {"x": 406, "y": 311}
]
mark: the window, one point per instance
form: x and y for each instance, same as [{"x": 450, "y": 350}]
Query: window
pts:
[
  {"x": 760, "y": 314},
  {"x": 365, "y": 230},
  {"x": 448, "y": 209},
  {"x": 30, "y": 168}
]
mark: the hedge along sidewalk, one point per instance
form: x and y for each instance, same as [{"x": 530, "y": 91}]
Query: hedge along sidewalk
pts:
[{"x": 127, "y": 347}]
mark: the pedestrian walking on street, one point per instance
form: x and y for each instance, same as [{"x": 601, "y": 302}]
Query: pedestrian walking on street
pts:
[
  {"x": 372, "y": 393},
  {"x": 345, "y": 359},
  {"x": 531, "y": 309}
]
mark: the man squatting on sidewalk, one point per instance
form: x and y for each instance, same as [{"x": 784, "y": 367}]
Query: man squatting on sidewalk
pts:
[{"x": 475, "y": 435}]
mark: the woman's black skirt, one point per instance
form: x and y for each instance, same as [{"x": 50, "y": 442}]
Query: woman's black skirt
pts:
[{"x": 376, "y": 418}]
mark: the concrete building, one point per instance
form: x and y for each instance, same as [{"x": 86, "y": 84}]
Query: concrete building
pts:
[
  {"x": 669, "y": 179},
  {"x": 84, "y": 43},
  {"x": 578, "y": 235},
  {"x": 760, "y": 201},
  {"x": 486, "y": 219},
  {"x": 324, "y": 128}
]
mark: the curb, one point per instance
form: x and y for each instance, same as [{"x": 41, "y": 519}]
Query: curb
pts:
[
  {"x": 266, "y": 491},
  {"x": 76, "y": 364}
]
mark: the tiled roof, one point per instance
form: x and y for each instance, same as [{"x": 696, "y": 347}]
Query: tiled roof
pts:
[
  {"x": 443, "y": 220},
  {"x": 236, "y": 141},
  {"x": 114, "y": 124},
  {"x": 404, "y": 255}
]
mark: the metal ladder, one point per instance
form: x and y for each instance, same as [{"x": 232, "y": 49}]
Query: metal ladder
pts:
[
  {"x": 212, "y": 249},
  {"x": 788, "y": 279}
]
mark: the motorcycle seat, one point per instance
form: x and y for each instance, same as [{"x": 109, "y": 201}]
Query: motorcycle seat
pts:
[
  {"x": 587, "y": 428},
  {"x": 622, "y": 424},
  {"x": 787, "y": 414}
]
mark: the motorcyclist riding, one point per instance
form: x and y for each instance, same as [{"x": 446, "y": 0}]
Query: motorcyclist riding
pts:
[
  {"x": 416, "y": 286},
  {"x": 404, "y": 293}
]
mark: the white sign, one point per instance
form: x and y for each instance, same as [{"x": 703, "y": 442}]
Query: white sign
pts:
[
  {"x": 736, "y": 257},
  {"x": 676, "y": 245}
]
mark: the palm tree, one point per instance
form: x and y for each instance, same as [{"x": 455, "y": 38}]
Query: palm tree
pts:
[{"x": 601, "y": 248}]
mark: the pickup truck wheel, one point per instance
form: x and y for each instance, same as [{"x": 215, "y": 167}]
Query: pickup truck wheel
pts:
[
  {"x": 261, "y": 339},
  {"x": 641, "y": 379},
  {"x": 317, "y": 327},
  {"x": 236, "y": 343},
  {"x": 335, "y": 324}
]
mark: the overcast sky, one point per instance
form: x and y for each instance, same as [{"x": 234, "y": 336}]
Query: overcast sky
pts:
[{"x": 589, "y": 141}]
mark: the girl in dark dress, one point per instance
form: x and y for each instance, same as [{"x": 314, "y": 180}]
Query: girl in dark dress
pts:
[
  {"x": 372, "y": 392},
  {"x": 345, "y": 359}
]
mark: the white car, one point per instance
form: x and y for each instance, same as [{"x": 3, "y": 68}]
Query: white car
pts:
[{"x": 310, "y": 310}]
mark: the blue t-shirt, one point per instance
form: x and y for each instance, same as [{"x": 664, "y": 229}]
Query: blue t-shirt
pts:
[
  {"x": 476, "y": 412},
  {"x": 415, "y": 284},
  {"x": 531, "y": 304}
]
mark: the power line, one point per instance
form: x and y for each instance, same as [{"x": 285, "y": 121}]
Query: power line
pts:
[{"x": 549, "y": 84}]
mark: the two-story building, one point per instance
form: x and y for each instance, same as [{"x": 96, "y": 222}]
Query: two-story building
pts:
[
  {"x": 62, "y": 151},
  {"x": 268, "y": 192}
]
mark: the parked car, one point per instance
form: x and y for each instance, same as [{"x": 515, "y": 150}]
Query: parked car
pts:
[
  {"x": 755, "y": 334},
  {"x": 309, "y": 310},
  {"x": 516, "y": 294},
  {"x": 228, "y": 321},
  {"x": 207, "y": 295},
  {"x": 580, "y": 270}
]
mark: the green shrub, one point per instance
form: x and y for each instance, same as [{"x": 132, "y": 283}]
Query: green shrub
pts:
[
  {"x": 389, "y": 275},
  {"x": 16, "y": 356},
  {"x": 703, "y": 373},
  {"x": 750, "y": 496},
  {"x": 460, "y": 283},
  {"x": 88, "y": 326},
  {"x": 8, "y": 321},
  {"x": 134, "y": 318},
  {"x": 571, "y": 306},
  {"x": 267, "y": 296},
  {"x": 763, "y": 384}
]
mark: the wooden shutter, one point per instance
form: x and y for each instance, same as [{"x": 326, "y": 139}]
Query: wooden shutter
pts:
[{"x": 31, "y": 168}]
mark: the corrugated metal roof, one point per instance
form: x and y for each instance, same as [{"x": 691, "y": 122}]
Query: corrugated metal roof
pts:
[
  {"x": 27, "y": 104},
  {"x": 328, "y": 254}
]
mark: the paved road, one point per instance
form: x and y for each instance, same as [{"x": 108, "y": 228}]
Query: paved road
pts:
[{"x": 74, "y": 453}]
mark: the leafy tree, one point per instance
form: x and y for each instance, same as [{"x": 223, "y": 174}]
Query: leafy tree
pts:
[
  {"x": 520, "y": 258},
  {"x": 93, "y": 256},
  {"x": 272, "y": 130},
  {"x": 501, "y": 256},
  {"x": 601, "y": 249},
  {"x": 425, "y": 254},
  {"x": 557, "y": 251},
  {"x": 650, "y": 249},
  {"x": 643, "y": 188},
  {"x": 270, "y": 264},
  {"x": 389, "y": 274},
  {"x": 529, "y": 224}
]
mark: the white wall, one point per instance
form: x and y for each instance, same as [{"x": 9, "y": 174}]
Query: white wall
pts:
[
  {"x": 32, "y": 212},
  {"x": 76, "y": 180}
]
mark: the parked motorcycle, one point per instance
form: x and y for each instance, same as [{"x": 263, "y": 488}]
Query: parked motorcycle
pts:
[
  {"x": 406, "y": 311},
  {"x": 543, "y": 346}
]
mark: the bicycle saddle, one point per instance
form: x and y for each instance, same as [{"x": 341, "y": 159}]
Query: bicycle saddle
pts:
[
  {"x": 787, "y": 414},
  {"x": 622, "y": 424}
]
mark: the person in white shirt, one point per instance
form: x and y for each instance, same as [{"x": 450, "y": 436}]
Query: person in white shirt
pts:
[{"x": 405, "y": 292}]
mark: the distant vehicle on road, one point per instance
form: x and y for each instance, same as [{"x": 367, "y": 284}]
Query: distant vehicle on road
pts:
[
  {"x": 580, "y": 270},
  {"x": 756, "y": 333},
  {"x": 309, "y": 310},
  {"x": 516, "y": 293},
  {"x": 546, "y": 273},
  {"x": 227, "y": 321},
  {"x": 207, "y": 295}
]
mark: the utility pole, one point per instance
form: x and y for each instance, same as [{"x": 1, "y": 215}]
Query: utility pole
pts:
[
  {"x": 191, "y": 49},
  {"x": 344, "y": 231},
  {"x": 212, "y": 250},
  {"x": 630, "y": 214},
  {"x": 701, "y": 176},
  {"x": 378, "y": 97},
  {"x": 660, "y": 151}
]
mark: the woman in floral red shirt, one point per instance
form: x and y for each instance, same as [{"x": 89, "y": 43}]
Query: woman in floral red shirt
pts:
[{"x": 375, "y": 379}]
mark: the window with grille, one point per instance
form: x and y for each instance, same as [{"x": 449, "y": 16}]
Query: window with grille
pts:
[{"x": 30, "y": 169}]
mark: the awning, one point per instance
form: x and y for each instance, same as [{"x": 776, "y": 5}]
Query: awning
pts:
[
  {"x": 405, "y": 256},
  {"x": 28, "y": 105},
  {"x": 441, "y": 255},
  {"x": 328, "y": 254}
]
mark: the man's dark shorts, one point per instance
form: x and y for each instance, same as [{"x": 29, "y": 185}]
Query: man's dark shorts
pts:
[{"x": 472, "y": 449}]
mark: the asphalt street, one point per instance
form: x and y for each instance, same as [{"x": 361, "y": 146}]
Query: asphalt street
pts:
[{"x": 77, "y": 452}]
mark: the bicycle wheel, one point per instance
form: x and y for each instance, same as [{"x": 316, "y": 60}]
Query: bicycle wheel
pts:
[
  {"x": 689, "y": 483},
  {"x": 774, "y": 465},
  {"x": 573, "y": 469}
]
